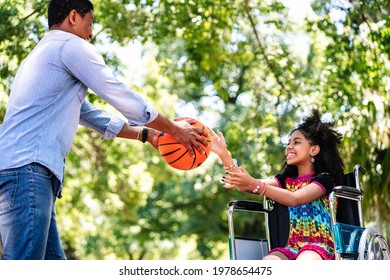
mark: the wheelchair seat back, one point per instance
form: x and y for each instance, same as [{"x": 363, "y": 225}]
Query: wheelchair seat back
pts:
[
  {"x": 278, "y": 225},
  {"x": 347, "y": 210}
]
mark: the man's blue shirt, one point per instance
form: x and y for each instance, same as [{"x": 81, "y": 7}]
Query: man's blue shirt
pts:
[{"x": 47, "y": 102}]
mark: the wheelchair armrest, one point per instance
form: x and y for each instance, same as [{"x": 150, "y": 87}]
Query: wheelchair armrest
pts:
[
  {"x": 348, "y": 192},
  {"x": 248, "y": 205}
]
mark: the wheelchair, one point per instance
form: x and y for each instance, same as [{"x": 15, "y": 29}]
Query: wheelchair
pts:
[{"x": 352, "y": 241}]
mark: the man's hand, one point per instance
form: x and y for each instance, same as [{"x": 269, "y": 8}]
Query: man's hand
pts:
[
  {"x": 190, "y": 136},
  {"x": 185, "y": 133}
]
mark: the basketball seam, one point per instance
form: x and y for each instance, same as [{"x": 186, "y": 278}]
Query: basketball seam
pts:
[
  {"x": 179, "y": 157},
  {"x": 166, "y": 144},
  {"x": 171, "y": 152}
]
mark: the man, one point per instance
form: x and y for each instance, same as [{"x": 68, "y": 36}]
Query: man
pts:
[{"x": 47, "y": 102}]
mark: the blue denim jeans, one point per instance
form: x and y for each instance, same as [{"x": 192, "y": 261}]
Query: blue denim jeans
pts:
[{"x": 28, "y": 226}]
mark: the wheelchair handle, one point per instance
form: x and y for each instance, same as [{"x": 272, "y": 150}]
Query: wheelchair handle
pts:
[
  {"x": 348, "y": 192},
  {"x": 248, "y": 205},
  {"x": 360, "y": 168}
]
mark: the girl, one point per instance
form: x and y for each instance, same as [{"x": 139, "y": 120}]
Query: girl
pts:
[{"x": 312, "y": 168}]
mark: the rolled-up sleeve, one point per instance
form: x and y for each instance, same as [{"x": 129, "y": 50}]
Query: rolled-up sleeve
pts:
[
  {"x": 86, "y": 63},
  {"x": 101, "y": 121},
  {"x": 114, "y": 127}
]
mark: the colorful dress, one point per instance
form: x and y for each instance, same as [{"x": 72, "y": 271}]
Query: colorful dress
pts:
[{"x": 310, "y": 227}]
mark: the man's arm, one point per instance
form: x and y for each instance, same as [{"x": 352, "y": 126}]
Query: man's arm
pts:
[
  {"x": 136, "y": 109},
  {"x": 99, "y": 120},
  {"x": 111, "y": 126}
]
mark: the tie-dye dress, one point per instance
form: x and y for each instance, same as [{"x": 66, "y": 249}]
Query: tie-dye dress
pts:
[{"x": 310, "y": 227}]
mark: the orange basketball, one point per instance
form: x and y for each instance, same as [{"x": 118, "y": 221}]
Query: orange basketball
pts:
[{"x": 176, "y": 155}]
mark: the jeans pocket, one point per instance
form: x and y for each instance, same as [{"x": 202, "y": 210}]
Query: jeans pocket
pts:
[
  {"x": 8, "y": 187},
  {"x": 41, "y": 170}
]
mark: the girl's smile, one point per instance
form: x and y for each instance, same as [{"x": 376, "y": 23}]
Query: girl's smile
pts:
[
  {"x": 300, "y": 152},
  {"x": 290, "y": 155}
]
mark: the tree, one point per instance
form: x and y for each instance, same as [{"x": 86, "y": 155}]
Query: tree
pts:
[{"x": 354, "y": 79}]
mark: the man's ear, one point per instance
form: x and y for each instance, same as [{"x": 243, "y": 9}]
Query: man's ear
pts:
[{"x": 72, "y": 17}]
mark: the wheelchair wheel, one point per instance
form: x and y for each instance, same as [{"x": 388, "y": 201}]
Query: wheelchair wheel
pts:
[{"x": 372, "y": 245}]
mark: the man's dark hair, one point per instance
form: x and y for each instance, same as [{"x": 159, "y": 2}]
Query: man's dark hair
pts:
[{"x": 59, "y": 9}]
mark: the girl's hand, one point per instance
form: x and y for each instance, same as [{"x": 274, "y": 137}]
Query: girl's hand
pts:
[
  {"x": 218, "y": 143},
  {"x": 240, "y": 179}
]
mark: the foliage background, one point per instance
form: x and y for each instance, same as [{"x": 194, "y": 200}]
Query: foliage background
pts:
[{"x": 250, "y": 68}]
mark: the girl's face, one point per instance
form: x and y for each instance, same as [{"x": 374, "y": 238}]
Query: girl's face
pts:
[{"x": 299, "y": 151}]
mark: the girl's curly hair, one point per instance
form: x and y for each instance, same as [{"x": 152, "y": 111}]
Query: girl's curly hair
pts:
[{"x": 328, "y": 160}]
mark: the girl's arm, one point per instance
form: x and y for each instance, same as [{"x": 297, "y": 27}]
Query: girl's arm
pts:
[
  {"x": 218, "y": 146},
  {"x": 243, "y": 181}
]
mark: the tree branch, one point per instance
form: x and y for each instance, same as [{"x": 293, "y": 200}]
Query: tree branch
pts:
[{"x": 270, "y": 65}]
